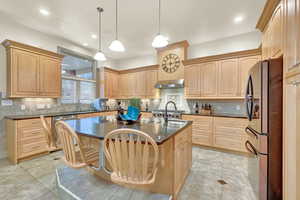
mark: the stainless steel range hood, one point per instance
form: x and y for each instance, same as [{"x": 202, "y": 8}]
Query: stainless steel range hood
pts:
[{"x": 170, "y": 84}]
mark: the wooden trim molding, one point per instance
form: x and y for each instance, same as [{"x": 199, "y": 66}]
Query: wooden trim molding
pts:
[
  {"x": 238, "y": 54},
  {"x": 145, "y": 68},
  {"x": 111, "y": 70},
  {"x": 267, "y": 13},
  {"x": 183, "y": 43},
  {"x": 17, "y": 45}
]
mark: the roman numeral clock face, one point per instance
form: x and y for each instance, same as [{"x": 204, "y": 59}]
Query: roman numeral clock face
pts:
[{"x": 170, "y": 63}]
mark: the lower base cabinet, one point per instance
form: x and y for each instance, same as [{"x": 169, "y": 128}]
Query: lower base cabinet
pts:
[
  {"x": 220, "y": 132},
  {"x": 25, "y": 139}
]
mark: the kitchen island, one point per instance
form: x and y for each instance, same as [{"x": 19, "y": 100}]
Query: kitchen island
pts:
[{"x": 174, "y": 140}]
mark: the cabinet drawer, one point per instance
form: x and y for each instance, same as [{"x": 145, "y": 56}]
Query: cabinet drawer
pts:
[
  {"x": 30, "y": 133},
  {"x": 31, "y": 148},
  {"x": 30, "y": 123}
]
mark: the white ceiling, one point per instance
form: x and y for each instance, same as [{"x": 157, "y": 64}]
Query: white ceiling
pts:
[{"x": 197, "y": 21}]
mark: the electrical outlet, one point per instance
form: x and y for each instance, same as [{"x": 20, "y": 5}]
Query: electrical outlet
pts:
[
  {"x": 40, "y": 106},
  {"x": 238, "y": 107},
  {"x": 48, "y": 106},
  {"x": 23, "y": 107}
]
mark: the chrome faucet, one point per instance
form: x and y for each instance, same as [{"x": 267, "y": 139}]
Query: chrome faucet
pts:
[{"x": 166, "y": 110}]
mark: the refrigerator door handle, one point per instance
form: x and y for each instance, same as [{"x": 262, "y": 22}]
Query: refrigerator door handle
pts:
[
  {"x": 249, "y": 98},
  {"x": 250, "y": 132},
  {"x": 253, "y": 150},
  {"x": 254, "y": 132}
]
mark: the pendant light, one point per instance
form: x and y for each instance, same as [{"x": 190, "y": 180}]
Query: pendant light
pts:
[
  {"x": 160, "y": 40},
  {"x": 116, "y": 45},
  {"x": 99, "y": 55}
]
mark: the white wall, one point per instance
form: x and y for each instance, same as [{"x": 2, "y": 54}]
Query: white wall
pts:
[{"x": 246, "y": 41}]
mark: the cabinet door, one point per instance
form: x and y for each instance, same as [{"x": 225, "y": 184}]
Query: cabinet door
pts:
[
  {"x": 140, "y": 83},
  {"x": 228, "y": 78},
  {"x": 50, "y": 77},
  {"x": 276, "y": 32},
  {"x": 24, "y": 76},
  {"x": 229, "y": 133},
  {"x": 202, "y": 129},
  {"x": 209, "y": 79},
  {"x": 115, "y": 85},
  {"x": 192, "y": 81},
  {"x": 298, "y": 34},
  {"x": 108, "y": 85},
  {"x": 292, "y": 31},
  {"x": 131, "y": 86},
  {"x": 245, "y": 64},
  {"x": 151, "y": 77}
]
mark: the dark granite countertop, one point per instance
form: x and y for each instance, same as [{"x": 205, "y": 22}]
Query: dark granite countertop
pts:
[
  {"x": 20, "y": 117},
  {"x": 98, "y": 127},
  {"x": 217, "y": 115}
]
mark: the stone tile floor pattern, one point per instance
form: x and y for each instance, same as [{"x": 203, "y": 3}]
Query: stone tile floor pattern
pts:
[{"x": 35, "y": 179}]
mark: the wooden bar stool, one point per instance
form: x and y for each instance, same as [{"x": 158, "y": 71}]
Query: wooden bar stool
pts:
[
  {"x": 76, "y": 155},
  {"x": 132, "y": 155}
]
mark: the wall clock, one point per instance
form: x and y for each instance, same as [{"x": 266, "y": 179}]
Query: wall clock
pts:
[{"x": 170, "y": 63}]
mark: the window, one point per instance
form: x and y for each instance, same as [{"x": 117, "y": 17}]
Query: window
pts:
[{"x": 78, "y": 78}]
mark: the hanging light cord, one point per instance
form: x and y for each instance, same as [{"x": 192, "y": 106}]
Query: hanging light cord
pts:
[
  {"x": 116, "y": 19},
  {"x": 159, "y": 4},
  {"x": 100, "y": 10}
]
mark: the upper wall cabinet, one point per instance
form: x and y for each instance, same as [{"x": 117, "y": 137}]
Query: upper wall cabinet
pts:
[
  {"x": 151, "y": 79},
  {"x": 292, "y": 34},
  {"x": 32, "y": 72},
  {"x": 245, "y": 65},
  {"x": 228, "y": 78},
  {"x": 219, "y": 77},
  {"x": 209, "y": 79},
  {"x": 272, "y": 40},
  {"x": 192, "y": 81}
]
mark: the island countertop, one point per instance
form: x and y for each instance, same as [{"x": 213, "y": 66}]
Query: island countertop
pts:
[{"x": 98, "y": 127}]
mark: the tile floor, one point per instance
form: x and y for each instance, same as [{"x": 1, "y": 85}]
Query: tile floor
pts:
[{"x": 35, "y": 179}]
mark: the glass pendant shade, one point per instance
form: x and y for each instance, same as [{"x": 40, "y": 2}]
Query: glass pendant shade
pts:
[
  {"x": 160, "y": 41},
  {"x": 100, "y": 56},
  {"x": 117, "y": 46}
]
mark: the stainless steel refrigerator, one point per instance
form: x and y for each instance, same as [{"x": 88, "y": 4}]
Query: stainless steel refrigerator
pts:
[{"x": 264, "y": 96}]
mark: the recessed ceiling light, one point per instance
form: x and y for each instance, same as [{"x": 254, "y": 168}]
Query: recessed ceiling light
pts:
[
  {"x": 238, "y": 19},
  {"x": 44, "y": 12},
  {"x": 85, "y": 44},
  {"x": 94, "y": 36}
]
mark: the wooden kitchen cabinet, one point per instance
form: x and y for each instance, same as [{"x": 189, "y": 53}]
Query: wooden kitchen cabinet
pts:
[
  {"x": 219, "y": 132},
  {"x": 25, "y": 139},
  {"x": 141, "y": 84},
  {"x": 50, "y": 81},
  {"x": 292, "y": 34},
  {"x": 272, "y": 39},
  {"x": 202, "y": 129},
  {"x": 32, "y": 72},
  {"x": 182, "y": 158},
  {"x": 209, "y": 79},
  {"x": 245, "y": 64},
  {"x": 151, "y": 91},
  {"x": 111, "y": 84},
  {"x": 192, "y": 81},
  {"x": 229, "y": 133},
  {"x": 228, "y": 78}
]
